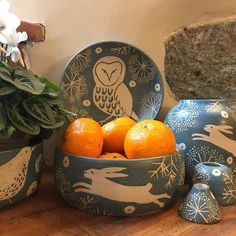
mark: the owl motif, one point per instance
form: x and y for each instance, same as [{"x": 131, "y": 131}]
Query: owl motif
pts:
[{"x": 110, "y": 94}]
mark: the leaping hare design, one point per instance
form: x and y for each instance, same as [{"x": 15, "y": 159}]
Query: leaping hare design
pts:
[
  {"x": 217, "y": 137},
  {"x": 106, "y": 188}
]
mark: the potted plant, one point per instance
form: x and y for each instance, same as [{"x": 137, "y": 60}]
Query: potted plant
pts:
[
  {"x": 29, "y": 111},
  {"x": 29, "y": 107}
]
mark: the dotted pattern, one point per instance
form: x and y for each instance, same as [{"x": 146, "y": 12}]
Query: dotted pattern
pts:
[
  {"x": 183, "y": 116},
  {"x": 14, "y": 187},
  {"x": 198, "y": 154}
]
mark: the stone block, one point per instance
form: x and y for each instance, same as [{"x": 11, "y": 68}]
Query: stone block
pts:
[{"x": 200, "y": 61}]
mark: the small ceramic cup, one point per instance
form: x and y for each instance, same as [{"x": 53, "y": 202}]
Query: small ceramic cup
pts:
[
  {"x": 220, "y": 180},
  {"x": 200, "y": 205}
]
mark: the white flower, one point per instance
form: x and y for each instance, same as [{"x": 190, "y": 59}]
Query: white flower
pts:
[{"x": 9, "y": 22}]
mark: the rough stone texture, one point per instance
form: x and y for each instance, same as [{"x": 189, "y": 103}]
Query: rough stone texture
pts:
[{"x": 200, "y": 61}]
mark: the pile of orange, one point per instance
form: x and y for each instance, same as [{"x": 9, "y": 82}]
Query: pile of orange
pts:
[{"x": 119, "y": 139}]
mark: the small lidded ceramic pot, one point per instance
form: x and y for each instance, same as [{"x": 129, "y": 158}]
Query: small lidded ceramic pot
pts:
[
  {"x": 200, "y": 206},
  {"x": 220, "y": 179}
]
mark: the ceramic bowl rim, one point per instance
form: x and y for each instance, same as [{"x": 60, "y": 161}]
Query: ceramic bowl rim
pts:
[
  {"x": 114, "y": 41},
  {"x": 177, "y": 152},
  {"x": 203, "y": 99}
]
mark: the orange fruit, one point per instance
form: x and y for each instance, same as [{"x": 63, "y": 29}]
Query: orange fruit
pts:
[
  {"x": 149, "y": 138},
  {"x": 113, "y": 155},
  {"x": 114, "y": 134},
  {"x": 83, "y": 137}
]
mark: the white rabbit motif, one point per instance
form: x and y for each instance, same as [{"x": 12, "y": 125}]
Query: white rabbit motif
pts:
[
  {"x": 106, "y": 188},
  {"x": 217, "y": 137}
]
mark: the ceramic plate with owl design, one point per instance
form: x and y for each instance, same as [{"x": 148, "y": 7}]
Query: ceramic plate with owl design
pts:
[{"x": 108, "y": 80}]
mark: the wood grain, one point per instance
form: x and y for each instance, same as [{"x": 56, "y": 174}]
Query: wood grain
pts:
[
  {"x": 35, "y": 31},
  {"x": 45, "y": 214}
]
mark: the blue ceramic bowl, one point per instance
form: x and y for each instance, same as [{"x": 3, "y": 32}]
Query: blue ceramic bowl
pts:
[
  {"x": 20, "y": 172},
  {"x": 119, "y": 187}
]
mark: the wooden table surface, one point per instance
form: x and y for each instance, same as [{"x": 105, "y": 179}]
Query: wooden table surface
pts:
[{"x": 45, "y": 213}]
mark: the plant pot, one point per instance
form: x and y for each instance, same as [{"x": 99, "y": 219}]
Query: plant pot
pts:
[
  {"x": 205, "y": 129},
  {"x": 20, "y": 172},
  {"x": 119, "y": 187}
]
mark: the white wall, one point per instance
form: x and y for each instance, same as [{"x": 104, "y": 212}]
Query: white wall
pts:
[{"x": 73, "y": 24}]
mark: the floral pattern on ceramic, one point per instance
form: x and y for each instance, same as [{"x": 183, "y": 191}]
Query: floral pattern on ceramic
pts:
[
  {"x": 220, "y": 180},
  {"x": 206, "y": 132},
  {"x": 111, "y": 187},
  {"x": 20, "y": 172},
  {"x": 112, "y": 79},
  {"x": 200, "y": 205}
]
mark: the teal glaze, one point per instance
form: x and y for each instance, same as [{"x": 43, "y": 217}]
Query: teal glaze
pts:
[
  {"x": 119, "y": 187},
  {"x": 111, "y": 79},
  {"x": 220, "y": 180},
  {"x": 20, "y": 172},
  {"x": 205, "y": 129},
  {"x": 200, "y": 205}
]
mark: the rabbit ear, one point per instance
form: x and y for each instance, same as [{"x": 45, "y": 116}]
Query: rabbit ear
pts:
[
  {"x": 115, "y": 175},
  {"x": 111, "y": 172},
  {"x": 112, "y": 169},
  {"x": 225, "y": 129}
]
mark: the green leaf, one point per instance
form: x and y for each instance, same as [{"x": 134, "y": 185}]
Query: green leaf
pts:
[
  {"x": 49, "y": 84},
  {"x": 5, "y": 74},
  {"x": 6, "y": 88},
  {"x": 54, "y": 126},
  {"x": 40, "y": 110},
  {"x": 4, "y": 65},
  {"x": 5, "y": 71},
  {"x": 3, "y": 117},
  {"x": 67, "y": 113},
  {"x": 49, "y": 94},
  {"x": 7, "y": 131},
  {"x": 60, "y": 120},
  {"x": 54, "y": 101},
  {"x": 25, "y": 80},
  {"x": 21, "y": 120}
]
